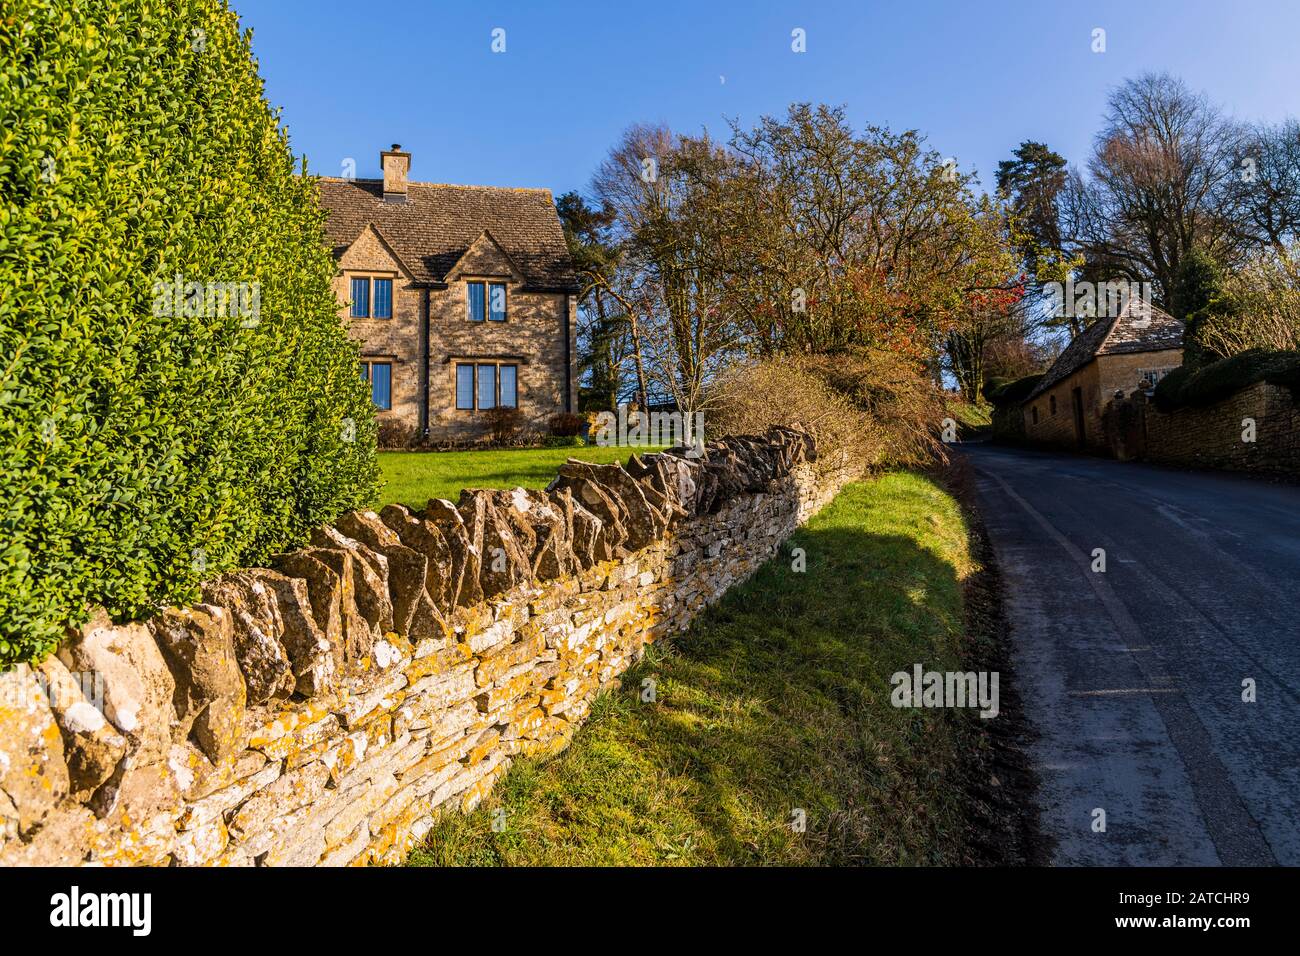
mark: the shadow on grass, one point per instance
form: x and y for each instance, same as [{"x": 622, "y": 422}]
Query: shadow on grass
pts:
[{"x": 771, "y": 710}]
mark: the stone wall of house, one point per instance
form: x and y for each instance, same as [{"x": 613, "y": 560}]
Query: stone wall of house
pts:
[
  {"x": 1126, "y": 371},
  {"x": 1099, "y": 381},
  {"x": 1054, "y": 410},
  {"x": 1212, "y": 437},
  {"x": 395, "y": 340},
  {"x": 531, "y": 338},
  {"x": 324, "y": 711}
]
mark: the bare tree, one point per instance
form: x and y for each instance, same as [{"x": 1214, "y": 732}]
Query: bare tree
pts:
[
  {"x": 1161, "y": 182},
  {"x": 667, "y": 191},
  {"x": 628, "y": 183},
  {"x": 1266, "y": 188}
]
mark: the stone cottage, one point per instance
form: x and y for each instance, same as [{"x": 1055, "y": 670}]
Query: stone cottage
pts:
[
  {"x": 463, "y": 299},
  {"x": 1110, "y": 358}
]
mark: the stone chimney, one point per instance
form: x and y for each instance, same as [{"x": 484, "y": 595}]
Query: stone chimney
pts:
[{"x": 396, "y": 165}]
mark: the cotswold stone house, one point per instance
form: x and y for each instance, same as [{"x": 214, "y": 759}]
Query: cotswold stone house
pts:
[
  {"x": 1110, "y": 358},
  {"x": 463, "y": 298}
]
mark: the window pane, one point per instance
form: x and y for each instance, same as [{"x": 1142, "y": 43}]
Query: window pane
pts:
[
  {"x": 381, "y": 384},
  {"x": 476, "y": 303},
  {"x": 487, "y": 386},
  {"x": 365, "y": 371},
  {"x": 508, "y": 396},
  {"x": 497, "y": 301},
  {"x": 360, "y": 298},
  {"x": 383, "y": 298},
  {"x": 465, "y": 386}
]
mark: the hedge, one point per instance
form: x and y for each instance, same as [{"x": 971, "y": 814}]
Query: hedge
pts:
[
  {"x": 142, "y": 451},
  {"x": 1187, "y": 387},
  {"x": 1013, "y": 392}
]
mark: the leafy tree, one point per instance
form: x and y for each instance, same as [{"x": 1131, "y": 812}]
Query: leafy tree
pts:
[
  {"x": 994, "y": 317},
  {"x": 1199, "y": 283},
  {"x": 1199, "y": 298},
  {"x": 855, "y": 239},
  {"x": 800, "y": 235},
  {"x": 602, "y": 326},
  {"x": 1032, "y": 181}
]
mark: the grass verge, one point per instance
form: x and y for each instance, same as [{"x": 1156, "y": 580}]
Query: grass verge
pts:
[
  {"x": 413, "y": 477},
  {"x": 777, "y": 700},
  {"x": 973, "y": 421}
]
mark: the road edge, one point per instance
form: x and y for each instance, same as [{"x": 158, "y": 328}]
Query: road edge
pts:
[{"x": 998, "y": 775}]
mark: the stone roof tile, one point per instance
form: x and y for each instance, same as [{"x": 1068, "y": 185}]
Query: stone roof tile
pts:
[
  {"x": 1140, "y": 326},
  {"x": 438, "y": 223}
]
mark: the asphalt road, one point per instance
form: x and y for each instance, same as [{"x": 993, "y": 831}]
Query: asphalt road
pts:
[{"x": 1133, "y": 677}]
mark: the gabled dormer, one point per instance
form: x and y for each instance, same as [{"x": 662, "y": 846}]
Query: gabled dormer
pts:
[
  {"x": 484, "y": 278},
  {"x": 371, "y": 267}
]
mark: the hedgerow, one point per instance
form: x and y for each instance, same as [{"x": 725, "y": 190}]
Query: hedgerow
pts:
[
  {"x": 1187, "y": 387},
  {"x": 1012, "y": 392},
  {"x": 142, "y": 451},
  {"x": 873, "y": 406}
]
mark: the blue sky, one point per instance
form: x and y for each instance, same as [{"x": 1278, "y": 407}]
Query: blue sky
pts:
[{"x": 976, "y": 78}]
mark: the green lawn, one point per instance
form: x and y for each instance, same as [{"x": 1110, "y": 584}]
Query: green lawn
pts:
[
  {"x": 776, "y": 700},
  {"x": 413, "y": 477}
]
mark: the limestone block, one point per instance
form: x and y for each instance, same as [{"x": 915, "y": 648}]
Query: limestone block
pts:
[
  {"x": 92, "y": 746},
  {"x": 210, "y": 697},
  {"x": 33, "y": 772},
  {"x": 257, "y": 630}
]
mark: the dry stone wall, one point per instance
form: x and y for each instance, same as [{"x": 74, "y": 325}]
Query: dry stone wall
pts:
[
  {"x": 1214, "y": 436},
  {"x": 325, "y": 710}
]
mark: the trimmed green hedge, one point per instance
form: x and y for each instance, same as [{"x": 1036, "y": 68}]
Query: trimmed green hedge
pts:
[
  {"x": 140, "y": 451},
  {"x": 1013, "y": 392},
  {"x": 1187, "y": 387}
]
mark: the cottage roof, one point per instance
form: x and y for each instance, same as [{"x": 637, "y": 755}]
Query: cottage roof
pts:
[
  {"x": 1140, "y": 326},
  {"x": 433, "y": 229}
]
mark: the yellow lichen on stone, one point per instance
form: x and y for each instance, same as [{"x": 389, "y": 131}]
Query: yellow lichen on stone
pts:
[
  {"x": 438, "y": 662},
  {"x": 285, "y": 722}
]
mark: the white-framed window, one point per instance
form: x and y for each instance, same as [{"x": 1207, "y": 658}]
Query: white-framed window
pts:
[{"x": 1149, "y": 377}]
